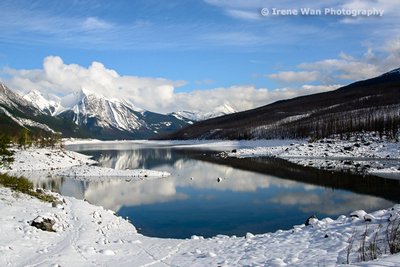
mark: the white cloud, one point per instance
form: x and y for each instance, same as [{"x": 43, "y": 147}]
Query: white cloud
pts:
[
  {"x": 155, "y": 94},
  {"x": 372, "y": 64},
  {"x": 158, "y": 94},
  {"x": 294, "y": 77},
  {"x": 58, "y": 77}
]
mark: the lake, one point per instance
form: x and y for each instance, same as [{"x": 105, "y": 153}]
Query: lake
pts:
[{"x": 207, "y": 195}]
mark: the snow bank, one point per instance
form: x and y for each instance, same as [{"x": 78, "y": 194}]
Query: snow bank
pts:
[
  {"x": 95, "y": 173},
  {"x": 39, "y": 159},
  {"x": 64, "y": 162},
  {"x": 87, "y": 235},
  {"x": 334, "y": 154}
]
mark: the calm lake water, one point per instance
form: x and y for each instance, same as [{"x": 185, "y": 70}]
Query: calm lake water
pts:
[{"x": 256, "y": 195}]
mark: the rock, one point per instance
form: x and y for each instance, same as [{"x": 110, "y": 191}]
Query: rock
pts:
[
  {"x": 369, "y": 218},
  {"x": 40, "y": 191},
  {"x": 44, "y": 224},
  {"x": 223, "y": 155},
  {"x": 234, "y": 150},
  {"x": 56, "y": 202},
  {"x": 311, "y": 218},
  {"x": 358, "y": 214}
]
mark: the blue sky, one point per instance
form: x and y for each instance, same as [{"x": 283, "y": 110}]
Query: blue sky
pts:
[{"x": 195, "y": 54}]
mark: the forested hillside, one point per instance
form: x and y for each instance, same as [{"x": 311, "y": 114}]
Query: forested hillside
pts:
[{"x": 370, "y": 105}]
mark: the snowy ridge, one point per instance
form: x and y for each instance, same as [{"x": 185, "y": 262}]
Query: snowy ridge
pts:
[
  {"x": 204, "y": 115},
  {"x": 115, "y": 118},
  {"x": 110, "y": 113},
  {"x": 48, "y": 103},
  {"x": 10, "y": 99}
]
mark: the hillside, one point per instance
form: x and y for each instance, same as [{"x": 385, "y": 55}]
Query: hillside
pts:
[
  {"x": 370, "y": 105},
  {"x": 17, "y": 114}
]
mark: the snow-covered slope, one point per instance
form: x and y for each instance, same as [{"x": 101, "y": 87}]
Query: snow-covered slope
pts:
[
  {"x": 87, "y": 235},
  {"x": 107, "y": 118},
  {"x": 86, "y": 105},
  {"x": 10, "y": 99},
  {"x": 49, "y": 103},
  {"x": 201, "y": 115}
]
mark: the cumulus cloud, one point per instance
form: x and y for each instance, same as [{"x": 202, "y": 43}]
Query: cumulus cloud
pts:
[
  {"x": 154, "y": 94},
  {"x": 58, "y": 77},
  {"x": 158, "y": 94}
]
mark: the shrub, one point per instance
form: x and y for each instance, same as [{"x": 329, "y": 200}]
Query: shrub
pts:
[
  {"x": 23, "y": 185},
  {"x": 393, "y": 235}
]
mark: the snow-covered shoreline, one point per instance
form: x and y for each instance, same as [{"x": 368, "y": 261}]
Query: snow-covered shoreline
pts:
[
  {"x": 88, "y": 235},
  {"x": 371, "y": 157},
  {"x": 71, "y": 164},
  {"x": 94, "y": 173},
  {"x": 43, "y": 159}
]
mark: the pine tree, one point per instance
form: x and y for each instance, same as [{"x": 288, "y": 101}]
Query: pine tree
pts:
[{"x": 5, "y": 154}]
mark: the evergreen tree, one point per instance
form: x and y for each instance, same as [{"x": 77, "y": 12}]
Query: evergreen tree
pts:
[{"x": 5, "y": 154}]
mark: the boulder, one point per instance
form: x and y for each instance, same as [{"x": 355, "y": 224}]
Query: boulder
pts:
[
  {"x": 44, "y": 224},
  {"x": 311, "y": 219}
]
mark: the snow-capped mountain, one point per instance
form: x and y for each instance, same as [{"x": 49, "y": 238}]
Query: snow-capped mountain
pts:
[
  {"x": 18, "y": 113},
  {"x": 200, "y": 116},
  {"x": 48, "y": 103},
  {"x": 12, "y": 104},
  {"x": 106, "y": 118}
]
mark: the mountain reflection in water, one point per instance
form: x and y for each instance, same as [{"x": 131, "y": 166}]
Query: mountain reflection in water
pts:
[{"x": 256, "y": 195}]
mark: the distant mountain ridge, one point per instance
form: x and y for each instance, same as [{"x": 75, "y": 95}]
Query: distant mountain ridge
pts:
[
  {"x": 196, "y": 115},
  {"x": 115, "y": 118},
  {"x": 105, "y": 118},
  {"x": 370, "y": 105}
]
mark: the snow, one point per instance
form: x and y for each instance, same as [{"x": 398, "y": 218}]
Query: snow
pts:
[
  {"x": 25, "y": 122},
  {"x": 40, "y": 159},
  {"x": 197, "y": 115},
  {"x": 73, "y": 165},
  {"x": 94, "y": 173},
  {"x": 372, "y": 157},
  {"x": 88, "y": 235},
  {"x": 48, "y": 101}
]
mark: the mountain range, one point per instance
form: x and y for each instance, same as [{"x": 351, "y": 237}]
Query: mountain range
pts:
[
  {"x": 105, "y": 118},
  {"x": 95, "y": 115},
  {"x": 369, "y": 105},
  {"x": 17, "y": 114}
]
